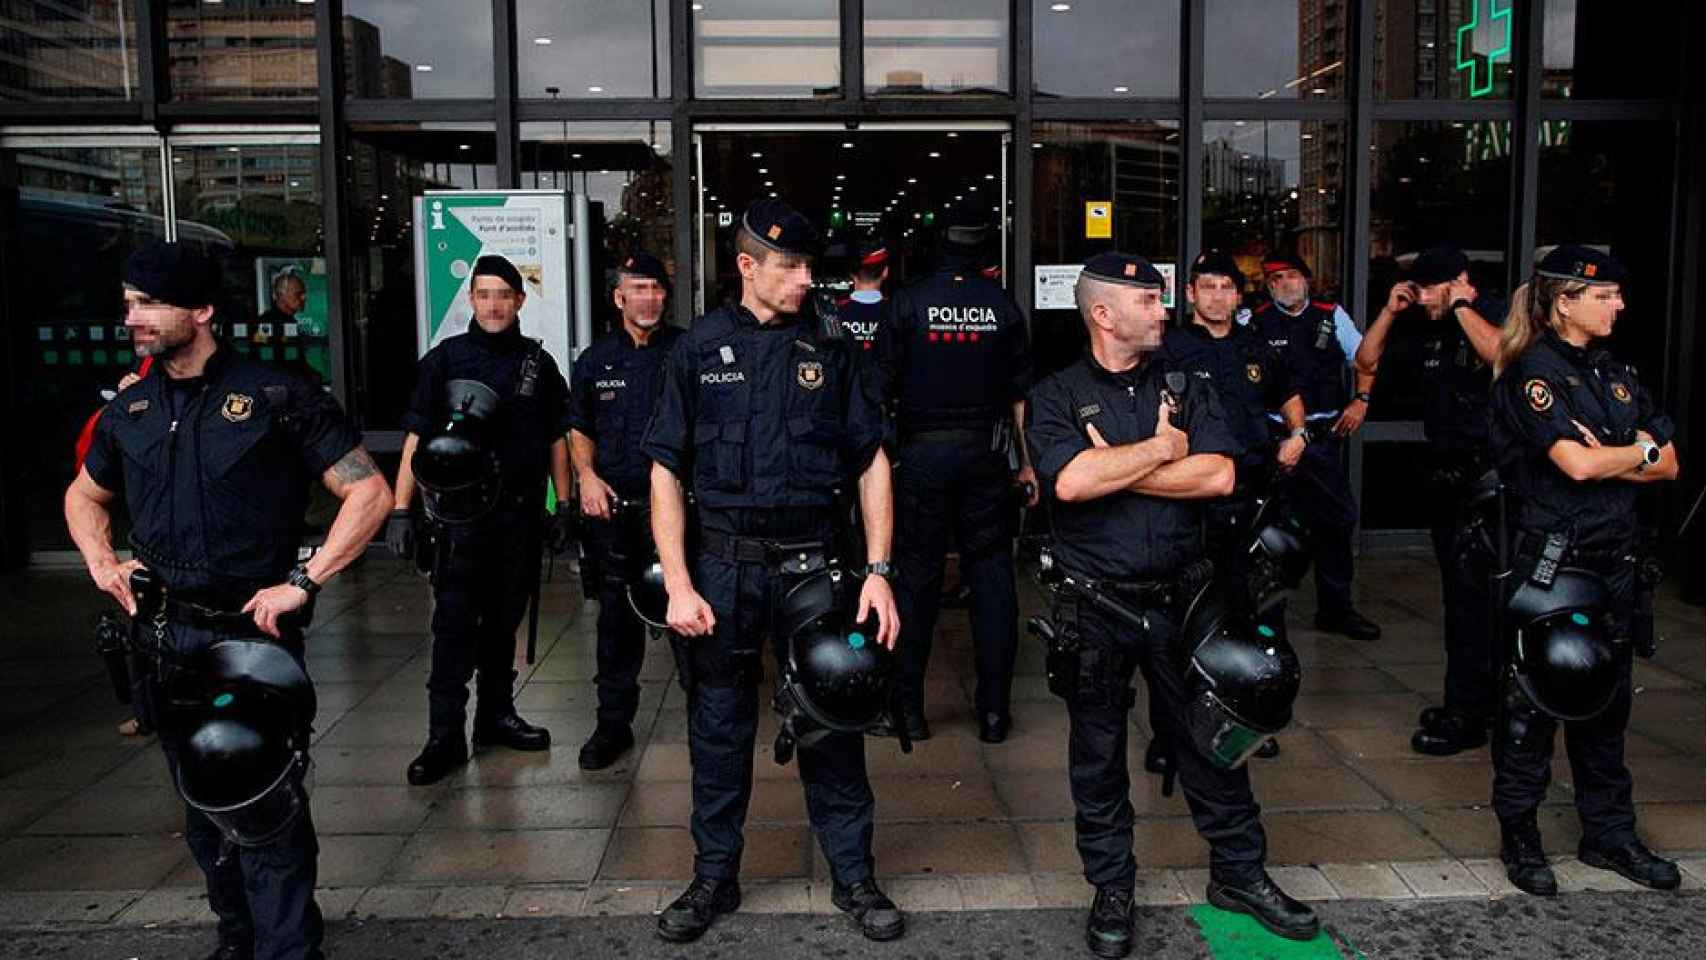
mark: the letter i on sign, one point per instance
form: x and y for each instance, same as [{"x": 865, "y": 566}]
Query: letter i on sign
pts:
[{"x": 438, "y": 214}]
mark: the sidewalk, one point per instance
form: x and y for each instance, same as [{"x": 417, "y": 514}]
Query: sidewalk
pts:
[{"x": 88, "y": 820}]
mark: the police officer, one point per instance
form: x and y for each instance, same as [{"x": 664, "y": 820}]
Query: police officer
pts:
[
  {"x": 485, "y": 571},
  {"x": 1576, "y": 435},
  {"x": 957, "y": 365},
  {"x": 1457, "y": 375},
  {"x": 1251, "y": 380},
  {"x": 213, "y": 456},
  {"x": 864, "y": 308},
  {"x": 1125, "y": 459},
  {"x": 764, "y": 413},
  {"x": 1319, "y": 342},
  {"x": 613, "y": 388}
]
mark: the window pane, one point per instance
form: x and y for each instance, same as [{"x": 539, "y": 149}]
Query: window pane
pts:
[
  {"x": 1133, "y": 166},
  {"x": 1106, "y": 48},
  {"x": 767, "y": 48},
  {"x": 1591, "y": 49},
  {"x": 397, "y": 49},
  {"x": 592, "y": 48},
  {"x": 231, "y": 51},
  {"x": 1258, "y": 48},
  {"x": 266, "y": 201},
  {"x": 68, "y": 49},
  {"x": 1608, "y": 184},
  {"x": 1444, "y": 50},
  {"x": 389, "y": 167},
  {"x": 936, "y": 46},
  {"x": 1271, "y": 186},
  {"x": 624, "y": 169},
  {"x": 80, "y": 213}
]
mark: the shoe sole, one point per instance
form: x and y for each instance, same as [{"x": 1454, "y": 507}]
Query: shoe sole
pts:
[
  {"x": 1234, "y": 906},
  {"x": 1594, "y": 859},
  {"x": 1551, "y": 891},
  {"x": 1106, "y": 950},
  {"x": 880, "y": 934}
]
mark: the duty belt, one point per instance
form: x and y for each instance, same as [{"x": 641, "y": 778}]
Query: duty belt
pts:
[
  {"x": 793, "y": 556},
  {"x": 200, "y": 615}
]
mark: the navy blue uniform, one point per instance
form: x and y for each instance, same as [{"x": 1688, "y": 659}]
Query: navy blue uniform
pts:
[
  {"x": 485, "y": 570},
  {"x": 613, "y": 389},
  {"x": 862, "y": 318},
  {"x": 763, "y": 423},
  {"x": 1534, "y": 403},
  {"x": 1126, "y": 539},
  {"x": 216, "y": 473},
  {"x": 1319, "y": 489},
  {"x": 957, "y": 360}
]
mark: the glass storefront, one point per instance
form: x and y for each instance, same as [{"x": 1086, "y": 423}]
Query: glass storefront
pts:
[
  {"x": 417, "y": 49},
  {"x": 592, "y": 48},
  {"x": 1106, "y": 48},
  {"x": 54, "y": 50},
  {"x": 766, "y": 48},
  {"x": 936, "y": 46},
  {"x": 241, "y": 50}
]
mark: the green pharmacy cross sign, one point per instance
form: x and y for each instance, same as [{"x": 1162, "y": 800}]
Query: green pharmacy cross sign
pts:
[{"x": 1499, "y": 20}]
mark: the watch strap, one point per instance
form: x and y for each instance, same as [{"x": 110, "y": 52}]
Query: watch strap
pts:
[{"x": 299, "y": 578}]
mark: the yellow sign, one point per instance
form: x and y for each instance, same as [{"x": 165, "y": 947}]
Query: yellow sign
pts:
[{"x": 1099, "y": 220}]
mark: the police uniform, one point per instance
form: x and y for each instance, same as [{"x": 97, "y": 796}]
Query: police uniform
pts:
[
  {"x": 764, "y": 424},
  {"x": 1538, "y": 400},
  {"x": 956, "y": 360},
  {"x": 484, "y": 571},
  {"x": 216, "y": 472},
  {"x": 1454, "y": 420},
  {"x": 1137, "y": 545},
  {"x": 863, "y": 311},
  {"x": 1317, "y": 347},
  {"x": 613, "y": 388}
]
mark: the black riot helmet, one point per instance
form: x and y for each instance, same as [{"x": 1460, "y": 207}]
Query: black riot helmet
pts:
[
  {"x": 648, "y": 598},
  {"x": 1279, "y": 551},
  {"x": 836, "y": 677},
  {"x": 457, "y": 468},
  {"x": 1563, "y": 659},
  {"x": 244, "y": 762},
  {"x": 1242, "y": 679}
]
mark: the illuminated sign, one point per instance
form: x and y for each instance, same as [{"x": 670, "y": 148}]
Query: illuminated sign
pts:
[{"x": 1480, "y": 68}]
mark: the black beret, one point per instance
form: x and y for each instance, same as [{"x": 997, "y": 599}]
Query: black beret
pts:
[
  {"x": 1214, "y": 261},
  {"x": 492, "y": 265},
  {"x": 780, "y": 227},
  {"x": 173, "y": 273},
  {"x": 1275, "y": 262},
  {"x": 1572, "y": 261},
  {"x": 1441, "y": 263},
  {"x": 1128, "y": 269},
  {"x": 642, "y": 264}
]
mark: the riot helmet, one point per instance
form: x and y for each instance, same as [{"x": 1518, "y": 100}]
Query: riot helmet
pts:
[
  {"x": 1242, "y": 679},
  {"x": 648, "y": 598},
  {"x": 1279, "y": 554},
  {"x": 1563, "y": 659},
  {"x": 244, "y": 763},
  {"x": 456, "y": 465},
  {"x": 836, "y": 676}
]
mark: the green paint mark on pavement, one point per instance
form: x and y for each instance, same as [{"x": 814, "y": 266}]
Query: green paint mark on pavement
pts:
[{"x": 1234, "y": 936}]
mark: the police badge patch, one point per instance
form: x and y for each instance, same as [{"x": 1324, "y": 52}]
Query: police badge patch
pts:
[
  {"x": 1254, "y": 372},
  {"x": 1539, "y": 395},
  {"x": 809, "y": 374},
  {"x": 1621, "y": 392},
  {"x": 238, "y": 407}
]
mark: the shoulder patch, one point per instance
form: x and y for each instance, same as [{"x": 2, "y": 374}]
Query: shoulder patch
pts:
[{"x": 1539, "y": 395}]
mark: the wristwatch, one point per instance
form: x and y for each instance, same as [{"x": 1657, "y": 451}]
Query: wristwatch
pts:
[
  {"x": 1363, "y": 395},
  {"x": 1649, "y": 456},
  {"x": 1460, "y": 303},
  {"x": 299, "y": 578},
  {"x": 881, "y": 568},
  {"x": 1301, "y": 433}
]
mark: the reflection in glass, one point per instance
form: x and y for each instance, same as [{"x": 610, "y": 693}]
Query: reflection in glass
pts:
[
  {"x": 68, "y": 49},
  {"x": 1608, "y": 184},
  {"x": 767, "y": 48},
  {"x": 1276, "y": 186},
  {"x": 1263, "y": 49},
  {"x": 80, "y": 213},
  {"x": 1442, "y": 50},
  {"x": 624, "y": 170},
  {"x": 1106, "y": 48},
  {"x": 936, "y": 46},
  {"x": 397, "y": 49},
  {"x": 390, "y": 165},
  {"x": 1605, "y": 49},
  {"x": 592, "y": 48},
  {"x": 1134, "y": 167},
  {"x": 241, "y": 49}
]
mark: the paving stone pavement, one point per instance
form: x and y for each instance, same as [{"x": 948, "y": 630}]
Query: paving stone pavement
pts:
[{"x": 90, "y": 827}]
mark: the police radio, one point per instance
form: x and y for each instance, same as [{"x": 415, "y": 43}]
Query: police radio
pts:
[{"x": 1324, "y": 330}]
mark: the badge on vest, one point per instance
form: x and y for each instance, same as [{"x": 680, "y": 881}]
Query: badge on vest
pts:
[
  {"x": 137, "y": 407},
  {"x": 1085, "y": 413},
  {"x": 1254, "y": 372},
  {"x": 238, "y": 407},
  {"x": 1539, "y": 395},
  {"x": 809, "y": 374},
  {"x": 1621, "y": 392}
]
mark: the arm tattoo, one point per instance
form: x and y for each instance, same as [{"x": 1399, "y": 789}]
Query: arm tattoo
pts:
[{"x": 354, "y": 467}]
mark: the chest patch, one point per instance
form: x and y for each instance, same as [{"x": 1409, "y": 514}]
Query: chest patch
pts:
[
  {"x": 137, "y": 407},
  {"x": 1253, "y": 371},
  {"x": 1085, "y": 413},
  {"x": 809, "y": 374},
  {"x": 1621, "y": 392},
  {"x": 237, "y": 407},
  {"x": 1539, "y": 395},
  {"x": 607, "y": 395}
]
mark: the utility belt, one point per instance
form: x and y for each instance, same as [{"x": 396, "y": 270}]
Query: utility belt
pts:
[
  {"x": 1539, "y": 555},
  {"x": 791, "y": 557}
]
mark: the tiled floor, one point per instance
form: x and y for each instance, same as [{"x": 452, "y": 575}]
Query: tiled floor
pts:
[{"x": 1349, "y": 810}]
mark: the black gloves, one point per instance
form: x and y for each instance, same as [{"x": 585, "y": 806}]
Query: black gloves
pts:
[{"x": 400, "y": 534}]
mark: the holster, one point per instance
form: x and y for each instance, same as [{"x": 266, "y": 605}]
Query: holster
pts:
[{"x": 1643, "y": 633}]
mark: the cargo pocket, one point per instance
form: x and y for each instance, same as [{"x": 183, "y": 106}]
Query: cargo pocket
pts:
[{"x": 719, "y": 456}]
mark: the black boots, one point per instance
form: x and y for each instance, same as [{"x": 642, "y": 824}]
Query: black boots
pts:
[
  {"x": 1271, "y": 907},
  {"x": 1525, "y": 859},
  {"x": 606, "y": 744},
  {"x": 692, "y": 913},
  {"x": 1445, "y": 732},
  {"x": 1634, "y": 861},
  {"x": 509, "y": 730},
  {"x": 1350, "y": 624},
  {"x": 993, "y": 727},
  {"x": 1108, "y": 931},
  {"x": 872, "y": 911},
  {"x": 441, "y": 755}
]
